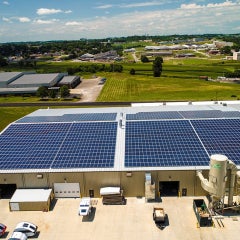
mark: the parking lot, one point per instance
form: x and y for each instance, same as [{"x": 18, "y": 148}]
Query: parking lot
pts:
[{"x": 115, "y": 222}]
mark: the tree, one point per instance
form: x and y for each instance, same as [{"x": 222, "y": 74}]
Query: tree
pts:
[
  {"x": 132, "y": 71},
  {"x": 144, "y": 59},
  {"x": 157, "y": 66},
  {"x": 3, "y": 61},
  {"x": 64, "y": 91},
  {"x": 226, "y": 50},
  {"x": 52, "y": 93},
  {"x": 42, "y": 92}
]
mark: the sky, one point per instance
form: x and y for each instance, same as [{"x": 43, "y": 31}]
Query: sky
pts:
[{"x": 45, "y": 20}]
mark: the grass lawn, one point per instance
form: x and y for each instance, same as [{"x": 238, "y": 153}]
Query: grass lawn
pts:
[
  {"x": 11, "y": 114},
  {"x": 125, "y": 87}
]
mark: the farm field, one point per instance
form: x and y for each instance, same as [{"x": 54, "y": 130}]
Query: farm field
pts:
[{"x": 179, "y": 81}]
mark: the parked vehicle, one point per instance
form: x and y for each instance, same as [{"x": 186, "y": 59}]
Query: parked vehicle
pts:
[
  {"x": 85, "y": 206},
  {"x": 28, "y": 228},
  {"x": 18, "y": 236},
  {"x": 159, "y": 217},
  {"x": 2, "y": 229},
  {"x": 158, "y": 214}
]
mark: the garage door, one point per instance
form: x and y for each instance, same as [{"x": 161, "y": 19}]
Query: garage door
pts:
[{"x": 62, "y": 190}]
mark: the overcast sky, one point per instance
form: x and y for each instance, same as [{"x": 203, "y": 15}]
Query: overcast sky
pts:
[{"x": 33, "y": 20}]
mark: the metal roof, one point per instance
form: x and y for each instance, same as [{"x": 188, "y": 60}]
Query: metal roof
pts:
[
  {"x": 67, "y": 79},
  {"x": 31, "y": 195},
  {"x": 6, "y": 76},
  {"x": 35, "y": 79}
]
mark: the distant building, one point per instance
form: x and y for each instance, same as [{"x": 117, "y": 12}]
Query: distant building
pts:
[
  {"x": 70, "y": 81},
  {"x": 236, "y": 56}
]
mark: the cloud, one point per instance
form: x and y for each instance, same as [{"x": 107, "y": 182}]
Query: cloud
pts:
[
  {"x": 6, "y": 19},
  {"x": 210, "y": 5},
  {"x": 131, "y": 5},
  {"x": 74, "y": 23},
  {"x": 6, "y": 3},
  {"x": 105, "y": 6},
  {"x": 24, "y": 19},
  {"x": 20, "y": 19},
  {"x": 39, "y": 21},
  {"x": 142, "y": 4},
  {"x": 47, "y": 11}
]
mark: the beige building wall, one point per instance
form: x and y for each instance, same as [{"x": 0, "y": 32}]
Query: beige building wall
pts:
[
  {"x": 10, "y": 178},
  {"x": 133, "y": 185},
  {"x": 96, "y": 180},
  {"x": 36, "y": 180}
]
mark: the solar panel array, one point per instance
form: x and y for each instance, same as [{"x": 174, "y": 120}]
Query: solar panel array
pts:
[
  {"x": 70, "y": 118},
  {"x": 220, "y": 136},
  {"x": 152, "y": 139},
  {"x": 154, "y": 115},
  {"x": 168, "y": 115},
  {"x": 88, "y": 145},
  {"x": 55, "y": 145},
  {"x": 163, "y": 143}
]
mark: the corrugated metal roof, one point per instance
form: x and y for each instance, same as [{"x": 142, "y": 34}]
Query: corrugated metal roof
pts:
[
  {"x": 35, "y": 79},
  {"x": 6, "y": 76}
]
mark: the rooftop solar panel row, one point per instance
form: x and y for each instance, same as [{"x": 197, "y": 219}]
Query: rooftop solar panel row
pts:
[
  {"x": 59, "y": 145},
  {"x": 163, "y": 143},
  {"x": 70, "y": 118},
  {"x": 183, "y": 115}
]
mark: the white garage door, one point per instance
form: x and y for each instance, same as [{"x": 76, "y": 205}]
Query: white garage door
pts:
[{"x": 66, "y": 190}]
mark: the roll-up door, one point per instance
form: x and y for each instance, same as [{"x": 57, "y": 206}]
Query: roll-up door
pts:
[{"x": 62, "y": 190}]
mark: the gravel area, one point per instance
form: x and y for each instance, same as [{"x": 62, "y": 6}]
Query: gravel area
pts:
[{"x": 89, "y": 89}]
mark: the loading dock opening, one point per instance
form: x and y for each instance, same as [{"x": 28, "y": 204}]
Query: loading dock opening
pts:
[
  {"x": 7, "y": 190},
  {"x": 169, "y": 188}
]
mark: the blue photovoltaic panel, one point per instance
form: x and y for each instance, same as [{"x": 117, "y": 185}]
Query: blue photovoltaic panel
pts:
[
  {"x": 88, "y": 145},
  {"x": 154, "y": 115},
  {"x": 209, "y": 114},
  {"x": 31, "y": 146},
  {"x": 220, "y": 136},
  {"x": 163, "y": 144},
  {"x": 71, "y": 118},
  {"x": 231, "y": 114},
  {"x": 201, "y": 114}
]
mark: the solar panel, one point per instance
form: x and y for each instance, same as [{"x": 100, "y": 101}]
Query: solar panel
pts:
[
  {"x": 231, "y": 114},
  {"x": 201, "y": 114},
  {"x": 88, "y": 145},
  {"x": 209, "y": 114},
  {"x": 220, "y": 136},
  {"x": 154, "y": 115},
  {"x": 70, "y": 118},
  {"x": 31, "y": 146},
  {"x": 163, "y": 144}
]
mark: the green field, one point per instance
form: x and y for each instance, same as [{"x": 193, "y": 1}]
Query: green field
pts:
[
  {"x": 11, "y": 114},
  {"x": 179, "y": 82}
]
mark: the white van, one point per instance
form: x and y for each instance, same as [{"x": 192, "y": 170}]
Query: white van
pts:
[
  {"x": 18, "y": 236},
  {"x": 85, "y": 206}
]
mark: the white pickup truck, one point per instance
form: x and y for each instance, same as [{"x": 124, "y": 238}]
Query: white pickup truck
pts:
[{"x": 85, "y": 206}]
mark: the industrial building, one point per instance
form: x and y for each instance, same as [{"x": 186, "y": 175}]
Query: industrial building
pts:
[
  {"x": 70, "y": 81},
  {"x": 29, "y": 82},
  {"x": 147, "y": 150}
]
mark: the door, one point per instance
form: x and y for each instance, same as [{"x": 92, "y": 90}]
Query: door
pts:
[
  {"x": 71, "y": 190},
  {"x": 169, "y": 188}
]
